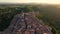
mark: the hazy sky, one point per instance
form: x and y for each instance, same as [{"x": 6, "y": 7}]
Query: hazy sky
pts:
[{"x": 32, "y": 1}]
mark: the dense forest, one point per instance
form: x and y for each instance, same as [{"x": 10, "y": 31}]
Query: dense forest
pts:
[{"x": 50, "y": 14}]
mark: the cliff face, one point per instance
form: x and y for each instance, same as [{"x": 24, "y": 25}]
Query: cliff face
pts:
[{"x": 26, "y": 24}]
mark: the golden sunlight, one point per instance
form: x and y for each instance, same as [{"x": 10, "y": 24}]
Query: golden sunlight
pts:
[{"x": 32, "y": 1}]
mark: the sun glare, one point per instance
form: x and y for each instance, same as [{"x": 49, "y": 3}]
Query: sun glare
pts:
[{"x": 32, "y": 1}]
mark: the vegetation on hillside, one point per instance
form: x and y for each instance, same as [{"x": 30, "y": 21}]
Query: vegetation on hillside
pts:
[
  {"x": 51, "y": 17},
  {"x": 8, "y": 12},
  {"x": 50, "y": 14}
]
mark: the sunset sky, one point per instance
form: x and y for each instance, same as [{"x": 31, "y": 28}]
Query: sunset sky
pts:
[{"x": 31, "y": 1}]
